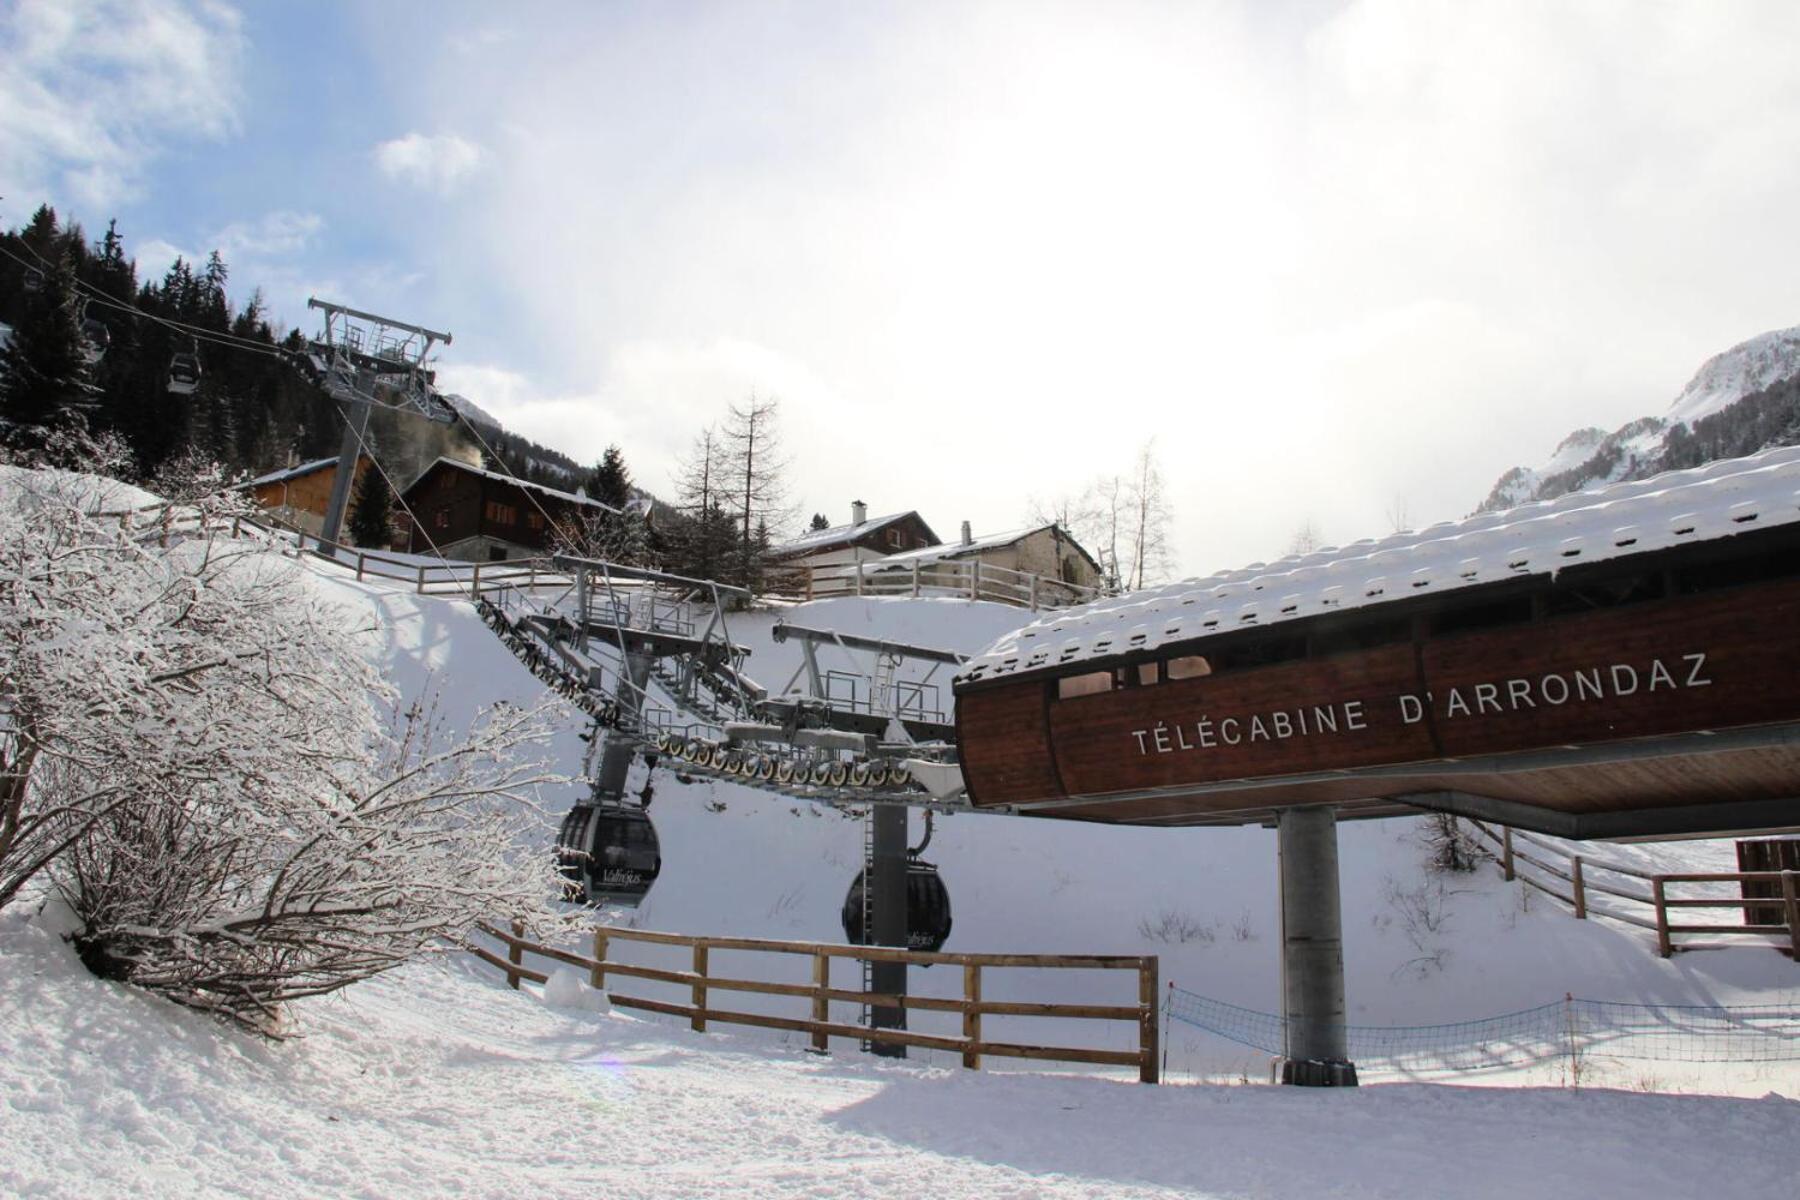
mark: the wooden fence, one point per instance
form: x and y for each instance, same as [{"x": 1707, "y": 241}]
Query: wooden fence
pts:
[
  {"x": 426, "y": 578},
  {"x": 969, "y": 579},
  {"x": 819, "y": 994},
  {"x": 1590, "y": 887}
]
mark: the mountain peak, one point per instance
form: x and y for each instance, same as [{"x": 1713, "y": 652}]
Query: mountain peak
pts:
[
  {"x": 1747, "y": 367},
  {"x": 1765, "y": 369}
]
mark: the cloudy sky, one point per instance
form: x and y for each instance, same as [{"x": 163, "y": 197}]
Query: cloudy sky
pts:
[{"x": 1337, "y": 259}]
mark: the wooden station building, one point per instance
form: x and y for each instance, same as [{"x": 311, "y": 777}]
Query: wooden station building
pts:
[{"x": 1623, "y": 662}]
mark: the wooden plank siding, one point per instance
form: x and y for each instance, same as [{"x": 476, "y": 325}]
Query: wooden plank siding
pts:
[{"x": 1324, "y": 728}]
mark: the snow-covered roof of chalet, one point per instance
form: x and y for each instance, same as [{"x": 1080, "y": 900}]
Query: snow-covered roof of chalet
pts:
[
  {"x": 307, "y": 468},
  {"x": 823, "y": 539},
  {"x": 1676, "y": 508},
  {"x": 496, "y": 476},
  {"x": 992, "y": 541}
]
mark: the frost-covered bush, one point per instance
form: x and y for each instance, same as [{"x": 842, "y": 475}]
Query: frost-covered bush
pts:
[{"x": 193, "y": 752}]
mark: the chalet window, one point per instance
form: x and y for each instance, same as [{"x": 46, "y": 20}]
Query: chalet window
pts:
[
  {"x": 1091, "y": 684},
  {"x": 441, "y": 519},
  {"x": 1139, "y": 675},
  {"x": 893, "y": 538},
  {"x": 1188, "y": 666},
  {"x": 501, "y": 514},
  {"x": 534, "y": 521}
]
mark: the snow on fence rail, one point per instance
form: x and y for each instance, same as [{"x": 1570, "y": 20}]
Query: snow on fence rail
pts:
[
  {"x": 1590, "y": 886},
  {"x": 971, "y": 580},
  {"x": 972, "y": 1046}
]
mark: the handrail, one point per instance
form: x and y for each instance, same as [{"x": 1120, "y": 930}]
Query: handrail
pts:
[
  {"x": 1575, "y": 868},
  {"x": 970, "y": 1045}
]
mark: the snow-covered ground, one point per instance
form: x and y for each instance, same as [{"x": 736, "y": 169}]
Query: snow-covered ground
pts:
[{"x": 440, "y": 1081}]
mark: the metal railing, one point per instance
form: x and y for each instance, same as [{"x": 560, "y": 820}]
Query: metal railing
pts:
[{"x": 969, "y": 579}]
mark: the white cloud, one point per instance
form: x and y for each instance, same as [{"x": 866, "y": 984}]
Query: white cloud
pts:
[
  {"x": 280, "y": 234},
  {"x": 91, "y": 90},
  {"x": 439, "y": 163},
  {"x": 1327, "y": 257}
]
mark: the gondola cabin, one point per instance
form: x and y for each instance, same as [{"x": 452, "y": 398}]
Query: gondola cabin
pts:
[
  {"x": 609, "y": 853},
  {"x": 1616, "y": 663}
]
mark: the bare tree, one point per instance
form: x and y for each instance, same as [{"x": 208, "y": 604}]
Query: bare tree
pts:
[
  {"x": 1145, "y": 502},
  {"x": 1306, "y": 539},
  {"x": 756, "y": 487},
  {"x": 703, "y": 540},
  {"x": 1095, "y": 518}
]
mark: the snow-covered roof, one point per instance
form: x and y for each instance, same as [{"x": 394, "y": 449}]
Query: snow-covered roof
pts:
[
  {"x": 992, "y": 541},
  {"x": 496, "y": 476},
  {"x": 1676, "y": 508},
  {"x": 821, "y": 539},
  {"x": 293, "y": 472}
]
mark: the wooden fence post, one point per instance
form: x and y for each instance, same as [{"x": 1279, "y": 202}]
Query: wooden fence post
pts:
[
  {"x": 821, "y": 1005},
  {"x": 859, "y": 580},
  {"x": 1506, "y": 855},
  {"x": 360, "y": 557},
  {"x": 810, "y": 572},
  {"x": 1148, "y": 986},
  {"x": 475, "y": 581},
  {"x": 915, "y": 579},
  {"x": 1663, "y": 948},
  {"x": 597, "y": 976},
  {"x": 975, "y": 579},
  {"x": 1034, "y": 596},
  {"x": 515, "y": 953},
  {"x": 421, "y": 579},
  {"x": 1790, "y": 898},
  {"x": 698, "y": 1021},
  {"x": 972, "y": 1016},
  {"x": 530, "y": 575},
  {"x": 1580, "y": 892}
]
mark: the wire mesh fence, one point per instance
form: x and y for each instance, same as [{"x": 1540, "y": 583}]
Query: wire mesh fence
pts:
[{"x": 1565, "y": 1028}]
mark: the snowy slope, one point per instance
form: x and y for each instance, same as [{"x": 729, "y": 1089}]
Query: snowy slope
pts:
[
  {"x": 441, "y": 1083},
  {"x": 1591, "y": 456}
]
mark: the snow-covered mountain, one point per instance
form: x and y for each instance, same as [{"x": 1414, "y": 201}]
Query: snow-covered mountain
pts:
[
  {"x": 471, "y": 411},
  {"x": 1744, "y": 400}
]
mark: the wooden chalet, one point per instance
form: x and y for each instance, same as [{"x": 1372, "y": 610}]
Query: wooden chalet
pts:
[
  {"x": 1615, "y": 663},
  {"x": 298, "y": 496},
  {"x": 476, "y": 515},
  {"x": 864, "y": 539},
  {"x": 1048, "y": 551}
]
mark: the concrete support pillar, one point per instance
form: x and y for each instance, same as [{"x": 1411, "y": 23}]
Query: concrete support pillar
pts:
[
  {"x": 1312, "y": 950},
  {"x": 887, "y": 910}
]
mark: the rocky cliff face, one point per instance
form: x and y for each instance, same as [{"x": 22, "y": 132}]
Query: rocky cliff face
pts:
[{"x": 1744, "y": 400}]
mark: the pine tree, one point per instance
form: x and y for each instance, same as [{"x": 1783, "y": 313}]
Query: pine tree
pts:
[
  {"x": 371, "y": 515},
  {"x": 46, "y": 373},
  {"x": 610, "y": 483},
  {"x": 819, "y": 522}
]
